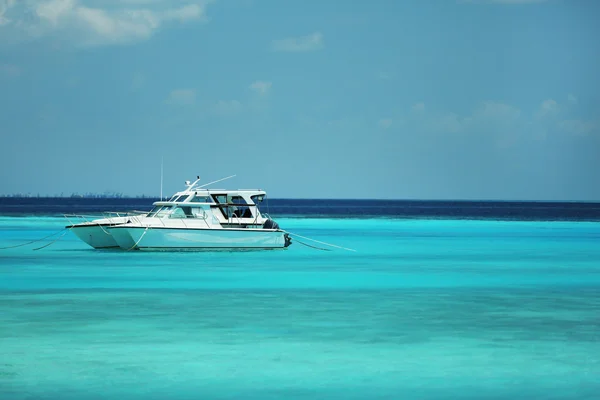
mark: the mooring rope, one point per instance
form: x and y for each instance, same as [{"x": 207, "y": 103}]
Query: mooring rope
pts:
[
  {"x": 317, "y": 241},
  {"x": 140, "y": 239},
  {"x": 34, "y": 241},
  {"x": 52, "y": 242},
  {"x": 312, "y": 247}
]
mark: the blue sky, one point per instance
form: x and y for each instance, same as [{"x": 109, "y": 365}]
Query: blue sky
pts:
[{"x": 314, "y": 98}]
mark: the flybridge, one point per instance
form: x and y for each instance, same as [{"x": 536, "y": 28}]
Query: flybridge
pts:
[
  {"x": 225, "y": 190},
  {"x": 192, "y": 186}
]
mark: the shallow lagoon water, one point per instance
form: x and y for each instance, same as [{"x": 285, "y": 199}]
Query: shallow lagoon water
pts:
[{"x": 424, "y": 309}]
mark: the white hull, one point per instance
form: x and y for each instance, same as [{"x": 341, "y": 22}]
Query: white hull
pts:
[
  {"x": 173, "y": 238},
  {"x": 96, "y": 234},
  {"x": 122, "y": 238}
]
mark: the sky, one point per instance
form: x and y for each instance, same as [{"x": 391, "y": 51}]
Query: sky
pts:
[{"x": 387, "y": 99}]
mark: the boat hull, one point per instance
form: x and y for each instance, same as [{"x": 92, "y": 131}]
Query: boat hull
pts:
[
  {"x": 96, "y": 236},
  {"x": 122, "y": 238},
  {"x": 157, "y": 238}
]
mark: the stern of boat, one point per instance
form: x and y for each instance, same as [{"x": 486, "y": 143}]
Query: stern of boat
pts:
[{"x": 288, "y": 240}]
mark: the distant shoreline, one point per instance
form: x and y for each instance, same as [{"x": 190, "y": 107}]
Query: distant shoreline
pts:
[
  {"x": 406, "y": 200},
  {"x": 331, "y": 208}
]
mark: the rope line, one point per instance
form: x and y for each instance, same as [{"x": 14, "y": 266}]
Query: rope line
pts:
[
  {"x": 313, "y": 247},
  {"x": 34, "y": 241},
  {"x": 52, "y": 242},
  {"x": 317, "y": 241},
  {"x": 140, "y": 239}
]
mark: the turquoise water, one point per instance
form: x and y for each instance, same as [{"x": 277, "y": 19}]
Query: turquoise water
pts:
[{"x": 424, "y": 309}]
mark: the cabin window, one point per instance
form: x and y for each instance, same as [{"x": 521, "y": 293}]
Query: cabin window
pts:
[
  {"x": 220, "y": 198},
  {"x": 198, "y": 212},
  {"x": 257, "y": 199},
  {"x": 153, "y": 212},
  {"x": 201, "y": 199},
  {"x": 163, "y": 211},
  {"x": 182, "y": 197},
  {"x": 240, "y": 208},
  {"x": 177, "y": 213}
]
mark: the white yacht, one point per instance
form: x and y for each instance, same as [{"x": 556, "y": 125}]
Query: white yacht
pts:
[{"x": 196, "y": 218}]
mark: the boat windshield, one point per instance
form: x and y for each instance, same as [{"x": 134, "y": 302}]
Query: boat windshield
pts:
[
  {"x": 258, "y": 198},
  {"x": 188, "y": 212},
  {"x": 160, "y": 211},
  {"x": 182, "y": 197},
  {"x": 179, "y": 197},
  {"x": 201, "y": 199},
  {"x": 154, "y": 211}
]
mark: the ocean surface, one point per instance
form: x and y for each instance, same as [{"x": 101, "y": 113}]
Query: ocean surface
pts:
[{"x": 440, "y": 300}]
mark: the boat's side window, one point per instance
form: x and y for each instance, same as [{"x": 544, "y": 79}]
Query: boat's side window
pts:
[
  {"x": 220, "y": 198},
  {"x": 163, "y": 212},
  {"x": 257, "y": 198},
  {"x": 201, "y": 199},
  {"x": 153, "y": 212},
  {"x": 182, "y": 197},
  {"x": 178, "y": 213},
  {"x": 240, "y": 209},
  {"x": 198, "y": 212}
]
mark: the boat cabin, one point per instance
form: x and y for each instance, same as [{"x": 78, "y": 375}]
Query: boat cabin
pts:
[{"x": 228, "y": 208}]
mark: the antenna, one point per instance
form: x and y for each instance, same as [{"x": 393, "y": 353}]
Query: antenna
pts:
[
  {"x": 161, "y": 177},
  {"x": 190, "y": 185},
  {"x": 219, "y": 180}
]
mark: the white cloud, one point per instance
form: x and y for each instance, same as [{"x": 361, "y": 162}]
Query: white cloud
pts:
[
  {"x": 92, "y": 22},
  {"x": 9, "y": 70},
  {"x": 577, "y": 126},
  {"x": 310, "y": 42},
  {"x": 516, "y": 1},
  {"x": 5, "y": 5},
  {"x": 185, "y": 13},
  {"x": 449, "y": 122},
  {"x": 548, "y": 107},
  {"x": 418, "y": 108},
  {"x": 261, "y": 87},
  {"x": 227, "y": 107},
  {"x": 138, "y": 2},
  {"x": 497, "y": 111},
  {"x": 138, "y": 81},
  {"x": 489, "y": 117},
  {"x": 385, "y": 123},
  {"x": 503, "y": 1},
  {"x": 504, "y": 122},
  {"x": 181, "y": 97}
]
